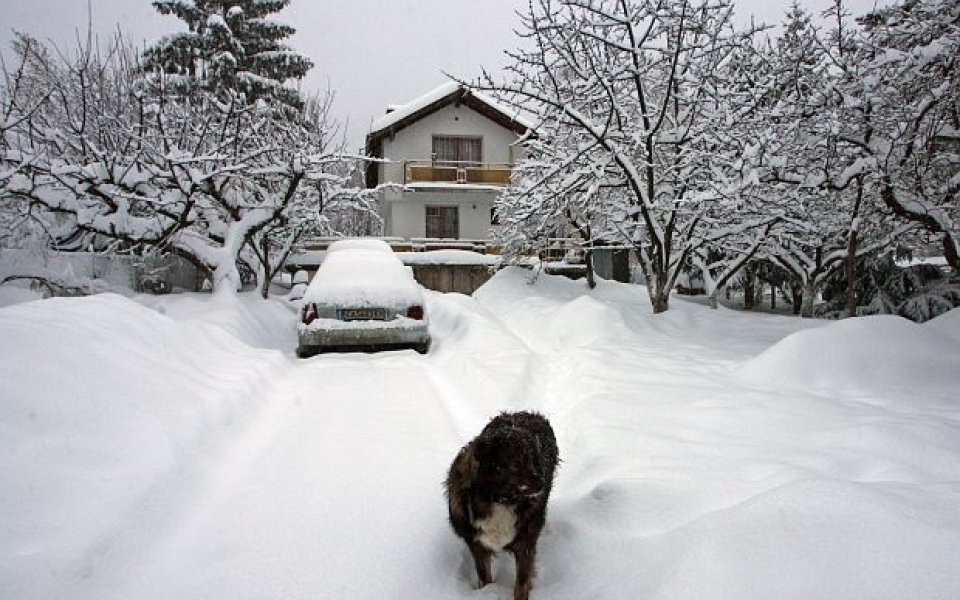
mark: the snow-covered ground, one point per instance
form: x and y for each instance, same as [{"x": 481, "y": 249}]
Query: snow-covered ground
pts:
[{"x": 173, "y": 447}]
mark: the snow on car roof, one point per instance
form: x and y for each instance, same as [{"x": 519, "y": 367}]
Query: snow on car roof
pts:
[
  {"x": 360, "y": 244},
  {"x": 362, "y": 277}
]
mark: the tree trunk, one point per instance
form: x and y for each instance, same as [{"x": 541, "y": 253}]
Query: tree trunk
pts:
[
  {"x": 796, "y": 295},
  {"x": 714, "y": 301},
  {"x": 588, "y": 262},
  {"x": 852, "y": 274},
  {"x": 655, "y": 281},
  {"x": 852, "y": 243},
  {"x": 951, "y": 251},
  {"x": 265, "y": 265},
  {"x": 661, "y": 302},
  {"x": 226, "y": 278},
  {"x": 749, "y": 293},
  {"x": 809, "y": 294},
  {"x": 773, "y": 297}
]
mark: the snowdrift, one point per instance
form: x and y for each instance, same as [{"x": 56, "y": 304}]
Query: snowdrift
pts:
[
  {"x": 104, "y": 404},
  {"x": 245, "y": 317},
  {"x": 862, "y": 356},
  {"x": 947, "y": 324},
  {"x": 682, "y": 482}
]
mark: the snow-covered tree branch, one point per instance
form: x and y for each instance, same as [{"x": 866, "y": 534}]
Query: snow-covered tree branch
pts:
[
  {"x": 126, "y": 157},
  {"x": 625, "y": 94}
]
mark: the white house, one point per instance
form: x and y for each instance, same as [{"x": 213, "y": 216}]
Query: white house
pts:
[{"x": 451, "y": 152}]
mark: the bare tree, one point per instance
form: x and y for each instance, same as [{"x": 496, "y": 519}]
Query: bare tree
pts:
[
  {"x": 907, "y": 106},
  {"x": 627, "y": 95},
  {"x": 123, "y": 156},
  {"x": 21, "y": 97},
  {"x": 826, "y": 187}
]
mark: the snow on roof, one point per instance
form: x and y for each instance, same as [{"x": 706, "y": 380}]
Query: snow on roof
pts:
[
  {"x": 402, "y": 111},
  {"x": 448, "y": 257}
]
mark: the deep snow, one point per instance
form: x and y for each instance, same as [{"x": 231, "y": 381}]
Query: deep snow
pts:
[{"x": 173, "y": 447}]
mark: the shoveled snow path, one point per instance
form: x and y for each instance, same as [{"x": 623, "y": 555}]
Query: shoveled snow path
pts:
[{"x": 352, "y": 459}]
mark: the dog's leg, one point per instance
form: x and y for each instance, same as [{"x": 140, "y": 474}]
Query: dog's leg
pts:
[
  {"x": 524, "y": 554},
  {"x": 481, "y": 558}
]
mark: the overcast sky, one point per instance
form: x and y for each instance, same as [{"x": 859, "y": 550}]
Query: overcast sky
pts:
[{"x": 370, "y": 52}]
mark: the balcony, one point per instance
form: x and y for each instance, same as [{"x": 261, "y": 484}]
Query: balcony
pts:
[{"x": 456, "y": 173}]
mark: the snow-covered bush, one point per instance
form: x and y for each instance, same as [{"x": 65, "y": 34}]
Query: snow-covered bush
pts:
[{"x": 918, "y": 292}]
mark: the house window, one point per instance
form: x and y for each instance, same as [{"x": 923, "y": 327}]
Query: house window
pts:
[
  {"x": 443, "y": 222},
  {"x": 457, "y": 150}
]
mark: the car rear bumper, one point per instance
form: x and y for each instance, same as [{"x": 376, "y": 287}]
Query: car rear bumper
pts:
[{"x": 315, "y": 339}]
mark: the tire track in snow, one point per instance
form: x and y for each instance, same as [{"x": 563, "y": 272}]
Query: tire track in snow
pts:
[
  {"x": 496, "y": 365},
  {"x": 323, "y": 493}
]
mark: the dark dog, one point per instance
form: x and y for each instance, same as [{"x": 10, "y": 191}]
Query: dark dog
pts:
[{"x": 497, "y": 492}]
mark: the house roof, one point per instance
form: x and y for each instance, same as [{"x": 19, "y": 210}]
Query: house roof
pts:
[{"x": 451, "y": 92}]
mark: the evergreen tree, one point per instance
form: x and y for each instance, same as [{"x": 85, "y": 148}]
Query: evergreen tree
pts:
[{"x": 230, "y": 45}]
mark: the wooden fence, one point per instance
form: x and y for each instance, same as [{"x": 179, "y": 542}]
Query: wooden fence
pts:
[{"x": 463, "y": 279}]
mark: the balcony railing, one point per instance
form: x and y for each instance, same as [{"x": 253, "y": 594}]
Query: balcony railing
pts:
[{"x": 457, "y": 173}]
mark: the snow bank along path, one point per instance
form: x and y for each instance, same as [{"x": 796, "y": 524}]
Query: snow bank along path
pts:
[{"x": 178, "y": 450}]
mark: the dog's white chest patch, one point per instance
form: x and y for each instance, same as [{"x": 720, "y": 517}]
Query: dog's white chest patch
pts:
[{"x": 497, "y": 529}]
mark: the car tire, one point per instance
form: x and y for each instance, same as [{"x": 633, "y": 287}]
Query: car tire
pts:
[
  {"x": 306, "y": 352},
  {"x": 422, "y": 347}
]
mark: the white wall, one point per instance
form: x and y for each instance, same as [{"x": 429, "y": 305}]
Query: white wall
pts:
[
  {"x": 415, "y": 142},
  {"x": 408, "y": 217}
]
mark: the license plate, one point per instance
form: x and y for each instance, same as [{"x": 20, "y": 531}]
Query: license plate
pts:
[{"x": 363, "y": 314}]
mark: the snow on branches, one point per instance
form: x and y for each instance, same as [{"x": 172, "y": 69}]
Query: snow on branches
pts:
[
  {"x": 230, "y": 45},
  {"x": 626, "y": 97},
  {"x": 852, "y": 134},
  {"x": 116, "y": 155},
  {"x": 661, "y": 127}
]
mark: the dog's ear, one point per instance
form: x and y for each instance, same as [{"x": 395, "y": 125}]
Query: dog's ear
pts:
[
  {"x": 471, "y": 464},
  {"x": 459, "y": 485},
  {"x": 465, "y": 468}
]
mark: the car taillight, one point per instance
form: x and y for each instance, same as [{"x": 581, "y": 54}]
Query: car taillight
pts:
[
  {"x": 415, "y": 312},
  {"x": 308, "y": 314}
]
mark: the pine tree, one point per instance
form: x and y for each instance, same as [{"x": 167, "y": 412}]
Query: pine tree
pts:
[{"x": 230, "y": 45}]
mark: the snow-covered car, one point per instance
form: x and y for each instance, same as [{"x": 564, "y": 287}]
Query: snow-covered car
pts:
[{"x": 362, "y": 298}]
